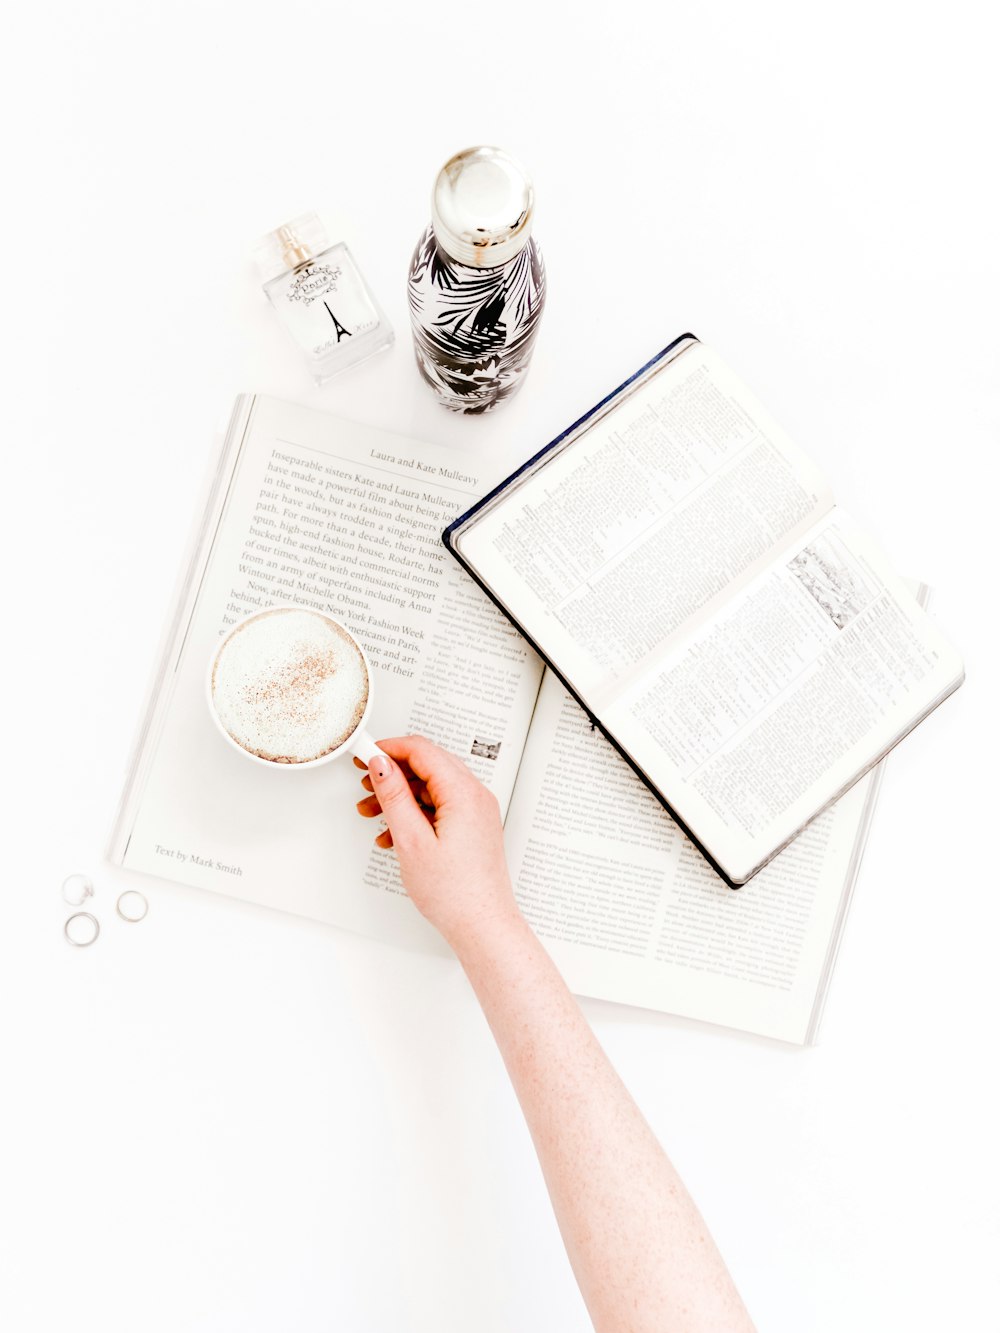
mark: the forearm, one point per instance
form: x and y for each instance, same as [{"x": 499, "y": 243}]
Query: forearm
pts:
[{"x": 641, "y": 1253}]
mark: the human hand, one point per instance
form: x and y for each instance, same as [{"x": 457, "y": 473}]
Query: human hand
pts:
[{"x": 445, "y": 827}]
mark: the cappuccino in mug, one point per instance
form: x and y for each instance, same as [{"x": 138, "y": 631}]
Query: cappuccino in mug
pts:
[{"x": 290, "y": 686}]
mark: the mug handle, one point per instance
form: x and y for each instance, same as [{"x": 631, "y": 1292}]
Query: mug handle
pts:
[{"x": 363, "y": 747}]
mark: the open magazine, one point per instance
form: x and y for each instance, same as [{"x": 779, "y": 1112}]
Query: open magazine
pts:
[{"x": 347, "y": 519}]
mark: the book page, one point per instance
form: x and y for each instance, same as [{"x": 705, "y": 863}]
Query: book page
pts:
[
  {"x": 803, "y": 680},
  {"x": 638, "y": 531},
  {"x": 630, "y": 910},
  {"x": 345, "y": 519}
]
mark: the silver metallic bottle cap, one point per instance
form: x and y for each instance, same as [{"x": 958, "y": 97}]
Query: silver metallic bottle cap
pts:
[{"x": 482, "y": 207}]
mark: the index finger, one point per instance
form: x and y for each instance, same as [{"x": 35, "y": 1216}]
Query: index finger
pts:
[{"x": 442, "y": 773}]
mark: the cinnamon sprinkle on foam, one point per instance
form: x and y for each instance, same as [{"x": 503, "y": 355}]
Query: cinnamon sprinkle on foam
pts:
[{"x": 290, "y": 685}]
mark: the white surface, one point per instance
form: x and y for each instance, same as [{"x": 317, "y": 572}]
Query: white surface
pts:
[{"x": 222, "y": 1119}]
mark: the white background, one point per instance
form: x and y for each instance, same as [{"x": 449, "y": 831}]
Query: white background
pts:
[{"x": 227, "y": 1119}]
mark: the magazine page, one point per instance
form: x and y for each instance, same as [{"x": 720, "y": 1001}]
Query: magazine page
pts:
[
  {"x": 630, "y": 910},
  {"x": 645, "y": 526},
  {"x": 346, "y": 519}
]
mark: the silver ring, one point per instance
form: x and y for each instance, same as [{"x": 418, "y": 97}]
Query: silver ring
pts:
[
  {"x": 76, "y": 889},
  {"x": 82, "y": 944},
  {"x": 134, "y": 899}
]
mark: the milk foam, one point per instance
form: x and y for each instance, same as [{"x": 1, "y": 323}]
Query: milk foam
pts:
[{"x": 290, "y": 686}]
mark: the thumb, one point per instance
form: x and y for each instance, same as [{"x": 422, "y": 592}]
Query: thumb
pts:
[{"x": 399, "y": 806}]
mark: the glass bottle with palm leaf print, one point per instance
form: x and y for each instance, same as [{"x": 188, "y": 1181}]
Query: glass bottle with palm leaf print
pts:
[{"x": 477, "y": 282}]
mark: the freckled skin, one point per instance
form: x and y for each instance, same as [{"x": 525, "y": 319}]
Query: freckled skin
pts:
[{"x": 641, "y": 1253}]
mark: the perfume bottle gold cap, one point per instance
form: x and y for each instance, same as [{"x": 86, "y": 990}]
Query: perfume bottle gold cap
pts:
[
  {"x": 482, "y": 207},
  {"x": 291, "y": 244},
  {"x": 294, "y": 250}
]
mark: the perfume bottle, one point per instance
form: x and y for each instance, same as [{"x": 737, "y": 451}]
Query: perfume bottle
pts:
[
  {"x": 321, "y": 297},
  {"x": 477, "y": 282}
]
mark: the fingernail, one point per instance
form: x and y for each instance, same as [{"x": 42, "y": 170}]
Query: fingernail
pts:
[{"x": 379, "y": 766}]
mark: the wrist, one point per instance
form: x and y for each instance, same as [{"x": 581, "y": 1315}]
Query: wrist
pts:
[{"x": 489, "y": 936}]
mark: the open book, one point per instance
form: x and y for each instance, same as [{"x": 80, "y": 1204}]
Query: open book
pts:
[
  {"x": 682, "y": 566},
  {"x": 347, "y": 519}
]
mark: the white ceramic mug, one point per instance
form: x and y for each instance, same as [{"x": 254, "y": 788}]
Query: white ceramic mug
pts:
[{"x": 359, "y": 743}]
